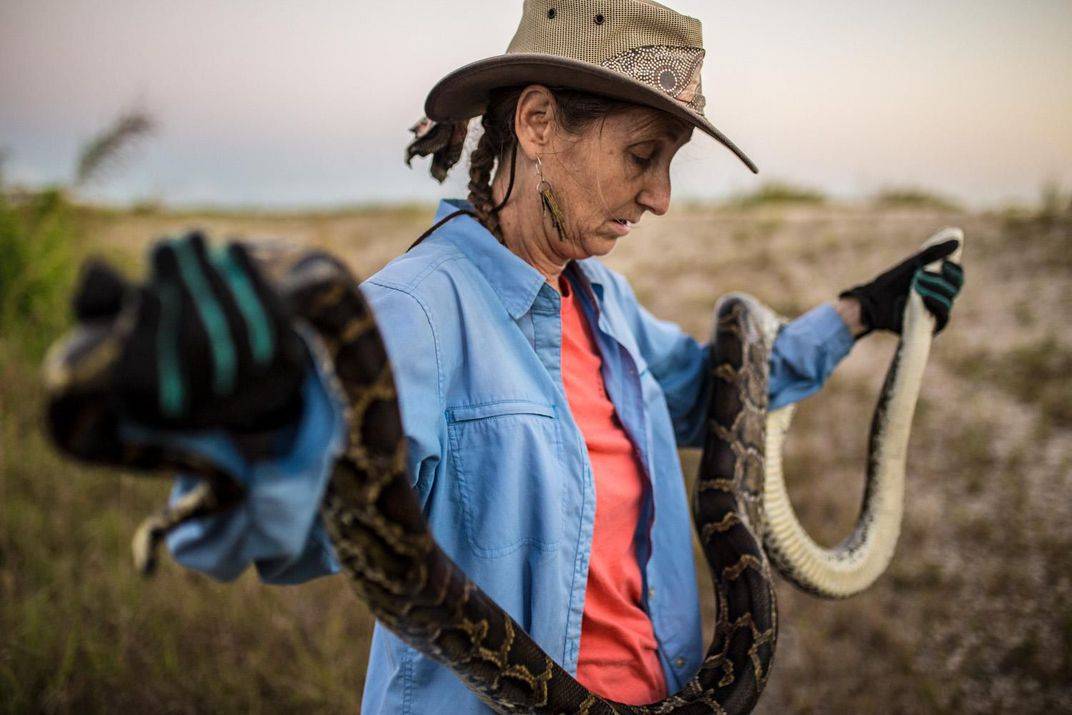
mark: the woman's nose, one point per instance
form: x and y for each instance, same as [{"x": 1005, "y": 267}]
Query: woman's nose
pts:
[{"x": 655, "y": 196}]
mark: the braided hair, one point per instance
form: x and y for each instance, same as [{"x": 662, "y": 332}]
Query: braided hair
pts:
[{"x": 489, "y": 151}]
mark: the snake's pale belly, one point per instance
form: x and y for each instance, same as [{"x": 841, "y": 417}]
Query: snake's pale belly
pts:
[{"x": 383, "y": 543}]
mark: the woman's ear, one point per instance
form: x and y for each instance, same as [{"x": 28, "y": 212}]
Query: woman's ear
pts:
[{"x": 534, "y": 120}]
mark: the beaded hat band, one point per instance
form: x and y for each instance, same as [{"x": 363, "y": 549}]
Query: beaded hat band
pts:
[{"x": 634, "y": 50}]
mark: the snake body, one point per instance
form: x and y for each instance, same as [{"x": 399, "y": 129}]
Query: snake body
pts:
[{"x": 383, "y": 543}]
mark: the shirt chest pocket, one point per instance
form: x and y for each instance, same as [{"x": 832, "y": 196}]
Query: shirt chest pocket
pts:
[{"x": 508, "y": 475}]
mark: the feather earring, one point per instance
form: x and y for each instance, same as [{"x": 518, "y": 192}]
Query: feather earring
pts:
[{"x": 550, "y": 202}]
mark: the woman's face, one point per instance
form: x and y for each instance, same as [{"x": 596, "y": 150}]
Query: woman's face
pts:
[{"x": 608, "y": 176}]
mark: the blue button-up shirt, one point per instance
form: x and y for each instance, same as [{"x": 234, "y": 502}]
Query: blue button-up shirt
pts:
[{"x": 499, "y": 465}]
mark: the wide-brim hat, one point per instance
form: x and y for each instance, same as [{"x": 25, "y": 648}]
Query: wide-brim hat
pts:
[{"x": 633, "y": 50}]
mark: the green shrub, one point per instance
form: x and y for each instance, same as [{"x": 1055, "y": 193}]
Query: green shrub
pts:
[
  {"x": 913, "y": 197},
  {"x": 40, "y": 239},
  {"x": 38, "y": 263},
  {"x": 1054, "y": 203},
  {"x": 778, "y": 192}
]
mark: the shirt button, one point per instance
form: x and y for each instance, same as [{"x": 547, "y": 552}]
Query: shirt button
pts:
[
  {"x": 679, "y": 662},
  {"x": 651, "y": 593}
]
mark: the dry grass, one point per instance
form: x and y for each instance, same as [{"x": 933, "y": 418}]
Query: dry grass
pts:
[{"x": 975, "y": 614}]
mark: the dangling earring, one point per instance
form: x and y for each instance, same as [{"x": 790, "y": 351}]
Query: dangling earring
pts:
[{"x": 550, "y": 202}]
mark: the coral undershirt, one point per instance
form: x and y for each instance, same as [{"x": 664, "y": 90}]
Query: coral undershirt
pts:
[{"x": 618, "y": 656}]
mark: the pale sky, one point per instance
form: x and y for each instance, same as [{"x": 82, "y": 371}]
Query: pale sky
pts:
[{"x": 307, "y": 103}]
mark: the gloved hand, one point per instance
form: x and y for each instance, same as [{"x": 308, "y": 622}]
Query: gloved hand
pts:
[
  {"x": 211, "y": 344},
  {"x": 882, "y": 301}
]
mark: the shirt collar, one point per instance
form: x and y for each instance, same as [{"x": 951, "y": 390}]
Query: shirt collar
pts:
[
  {"x": 592, "y": 275},
  {"x": 515, "y": 282}
]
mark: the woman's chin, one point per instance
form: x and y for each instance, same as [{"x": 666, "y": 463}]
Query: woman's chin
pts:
[{"x": 599, "y": 244}]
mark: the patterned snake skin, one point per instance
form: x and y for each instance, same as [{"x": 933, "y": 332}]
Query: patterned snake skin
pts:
[{"x": 381, "y": 538}]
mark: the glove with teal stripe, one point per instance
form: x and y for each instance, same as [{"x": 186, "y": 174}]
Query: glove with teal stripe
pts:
[
  {"x": 882, "y": 301},
  {"x": 211, "y": 346}
]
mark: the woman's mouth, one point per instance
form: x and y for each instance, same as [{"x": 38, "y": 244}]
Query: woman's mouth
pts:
[{"x": 622, "y": 226}]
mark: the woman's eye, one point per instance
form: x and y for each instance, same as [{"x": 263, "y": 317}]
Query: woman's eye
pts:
[{"x": 640, "y": 160}]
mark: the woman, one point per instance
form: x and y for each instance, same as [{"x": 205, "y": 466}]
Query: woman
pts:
[{"x": 542, "y": 405}]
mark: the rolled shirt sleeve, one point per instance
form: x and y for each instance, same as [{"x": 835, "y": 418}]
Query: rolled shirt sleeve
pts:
[{"x": 805, "y": 354}]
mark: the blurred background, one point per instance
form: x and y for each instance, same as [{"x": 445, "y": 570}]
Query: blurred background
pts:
[{"x": 874, "y": 124}]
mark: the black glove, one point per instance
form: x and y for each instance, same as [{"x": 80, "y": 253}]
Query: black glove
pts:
[
  {"x": 211, "y": 346},
  {"x": 882, "y": 301}
]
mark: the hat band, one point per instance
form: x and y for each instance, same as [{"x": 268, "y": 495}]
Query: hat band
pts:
[{"x": 671, "y": 70}]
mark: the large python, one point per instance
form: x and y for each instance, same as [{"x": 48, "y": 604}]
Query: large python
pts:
[{"x": 412, "y": 586}]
